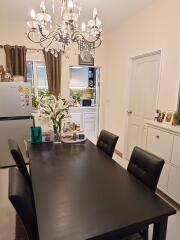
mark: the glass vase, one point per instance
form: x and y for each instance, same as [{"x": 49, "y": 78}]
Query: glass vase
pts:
[{"x": 57, "y": 133}]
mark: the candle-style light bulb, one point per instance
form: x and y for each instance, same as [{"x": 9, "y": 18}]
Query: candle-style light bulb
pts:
[
  {"x": 70, "y": 4},
  {"x": 33, "y": 14},
  {"x": 95, "y": 13},
  {"x": 83, "y": 27},
  {"x": 42, "y": 6}
]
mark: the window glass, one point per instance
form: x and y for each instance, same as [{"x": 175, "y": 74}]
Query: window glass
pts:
[
  {"x": 29, "y": 75},
  {"x": 36, "y": 75},
  {"x": 41, "y": 77}
]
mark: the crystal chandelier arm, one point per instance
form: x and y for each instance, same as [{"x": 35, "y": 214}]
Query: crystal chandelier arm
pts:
[
  {"x": 31, "y": 38},
  {"x": 77, "y": 35}
]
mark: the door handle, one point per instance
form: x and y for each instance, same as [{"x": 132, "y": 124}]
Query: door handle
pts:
[{"x": 129, "y": 112}]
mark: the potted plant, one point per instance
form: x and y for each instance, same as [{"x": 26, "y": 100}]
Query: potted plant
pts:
[{"x": 176, "y": 119}]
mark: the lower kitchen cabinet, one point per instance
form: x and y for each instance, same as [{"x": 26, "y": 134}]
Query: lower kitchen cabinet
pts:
[
  {"x": 163, "y": 181},
  {"x": 86, "y": 117},
  {"x": 77, "y": 118},
  {"x": 89, "y": 119},
  {"x": 174, "y": 183},
  {"x": 176, "y": 151}
]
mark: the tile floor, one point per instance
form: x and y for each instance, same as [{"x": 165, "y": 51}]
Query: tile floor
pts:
[{"x": 7, "y": 214}]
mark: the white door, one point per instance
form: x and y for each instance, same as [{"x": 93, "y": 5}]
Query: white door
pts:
[
  {"x": 143, "y": 98},
  {"x": 97, "y": 104}
]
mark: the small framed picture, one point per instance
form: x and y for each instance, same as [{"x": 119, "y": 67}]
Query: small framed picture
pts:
[
  {"x": 88, "y": 60},
  {"x": 161, "y": 117},
  {"x": 168, "y": 119}
]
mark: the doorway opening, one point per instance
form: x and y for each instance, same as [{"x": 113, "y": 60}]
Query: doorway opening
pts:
[
  {"x": 84, "y": 93},
  {"x": 143, "y": 98}
]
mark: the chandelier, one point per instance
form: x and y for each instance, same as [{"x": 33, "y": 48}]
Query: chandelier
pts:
[{"x": 60, "y": 31}]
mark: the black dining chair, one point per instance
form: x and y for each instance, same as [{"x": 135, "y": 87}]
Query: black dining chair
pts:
[
  {"x": 147, "y": 168},
  {"x": 21, "y": 198},
  {"x": 19, "y": 160},
  {"x": 107, "y": 142}
]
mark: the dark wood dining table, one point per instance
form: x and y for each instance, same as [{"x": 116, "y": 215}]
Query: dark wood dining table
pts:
[{"x": 81, "y": 193}]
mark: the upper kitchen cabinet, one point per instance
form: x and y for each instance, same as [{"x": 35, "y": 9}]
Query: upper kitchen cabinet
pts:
[{"x": 79, "y": 77}]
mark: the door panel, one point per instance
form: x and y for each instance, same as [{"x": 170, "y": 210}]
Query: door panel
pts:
[{"x": 143, "y": 98}]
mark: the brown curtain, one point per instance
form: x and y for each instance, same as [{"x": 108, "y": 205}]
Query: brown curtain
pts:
[
  {"x": 53, "y": 68},
  {"x": 16, "y": 60}
]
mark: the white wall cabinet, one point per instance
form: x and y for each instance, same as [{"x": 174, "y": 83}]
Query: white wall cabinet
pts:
[
  {"x": 79, "y": 77},
  {"x": 164, "y": 141}
]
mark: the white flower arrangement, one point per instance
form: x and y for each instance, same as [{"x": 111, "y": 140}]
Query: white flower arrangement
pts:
[{"x": 56, "y": 109}]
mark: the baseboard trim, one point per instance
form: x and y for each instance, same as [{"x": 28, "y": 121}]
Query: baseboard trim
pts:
[{"x": 119, "y": 153}]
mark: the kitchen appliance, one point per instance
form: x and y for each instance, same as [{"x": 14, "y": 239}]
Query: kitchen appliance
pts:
[
  {"x": 15, "y": 117},
  {"x": 87, "y": 103}
]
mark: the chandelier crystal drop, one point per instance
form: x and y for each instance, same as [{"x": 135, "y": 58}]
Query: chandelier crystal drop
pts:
[{"x": 60, "y": 31}]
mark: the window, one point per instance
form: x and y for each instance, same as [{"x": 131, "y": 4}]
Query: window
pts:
[{"x": 36, "y": 75}]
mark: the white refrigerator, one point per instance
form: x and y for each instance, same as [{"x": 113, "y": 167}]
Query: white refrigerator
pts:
[{"x": 15, "y": 118}]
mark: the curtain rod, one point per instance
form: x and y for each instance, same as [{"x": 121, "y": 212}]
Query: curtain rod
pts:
[{"x": 32, "y": 49}]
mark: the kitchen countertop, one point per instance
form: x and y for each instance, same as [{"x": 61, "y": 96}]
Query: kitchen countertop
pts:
[
  {"x": 82, "y": 107},
  {"x": 170, "y": 128}
]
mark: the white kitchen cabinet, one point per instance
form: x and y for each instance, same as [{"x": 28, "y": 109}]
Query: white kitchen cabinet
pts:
[
  {"x": 79, "y": 78},
  {"x": 90, "y": 123},
  {"x": 174, "y": 183},
  {"x": 164, "y": 141},
  {"x": 163, "y": 181},
  {"x": 176, "y": 151},
  {"x": 76, "y": 117},
  {"x": 86, "y": 117},
  {"x": 160, "y": 143}
]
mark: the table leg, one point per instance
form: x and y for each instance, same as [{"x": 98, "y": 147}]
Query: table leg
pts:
[{"x": 160, "y": 229}]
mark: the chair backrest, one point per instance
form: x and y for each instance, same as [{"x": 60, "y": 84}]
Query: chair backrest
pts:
[
  {"x": 19, "y": 159},
  {"x": 146, "y": 167},
  {"x": 20, "y": 196},
  {"x": 107, "y": 142}
]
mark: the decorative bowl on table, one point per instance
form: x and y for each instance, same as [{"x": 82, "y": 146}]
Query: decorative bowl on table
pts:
[{"x": 75, "y": 137}]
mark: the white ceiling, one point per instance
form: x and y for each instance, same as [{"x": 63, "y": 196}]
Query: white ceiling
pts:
[{"x": 112, "y": 12}]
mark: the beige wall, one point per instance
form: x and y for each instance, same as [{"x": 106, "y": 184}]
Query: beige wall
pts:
[{"x": 156, "y": 27}]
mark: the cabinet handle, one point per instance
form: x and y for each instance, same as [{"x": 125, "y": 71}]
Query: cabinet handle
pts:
[{"x": 157, "y": 137}]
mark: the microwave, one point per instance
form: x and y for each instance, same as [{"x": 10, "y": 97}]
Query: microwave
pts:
[{"x": 87, "y": 102}]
